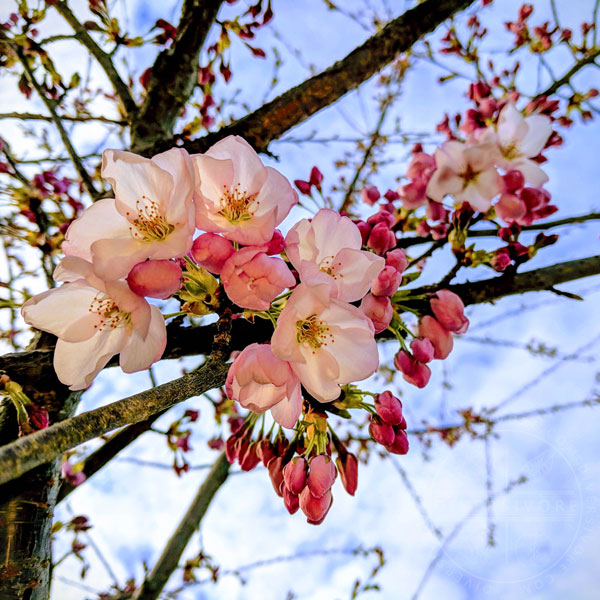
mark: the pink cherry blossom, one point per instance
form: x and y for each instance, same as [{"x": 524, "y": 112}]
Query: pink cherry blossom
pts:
[
  {"x": 438, "y": 335},
  {"x": 259, "y": 381},
  {"x": 518, "y": 140},
  {"x": 252, "y": 279},
  {"x": 327, "y": 342},
  {"x": 211, "y": 251},
  {"x": 449, "y": 309},
  {"x": 92, "y": 325},
  {"x": 151, "y": 216},
  {"x": 419, "y": 171},
  {"x": 155, "y": 278},
  {"x": 467, "y": 173},
  {"x": 238, "y": 196},
  {"x": 328, "y": 250},
  {"x": 379, "y": 310}
]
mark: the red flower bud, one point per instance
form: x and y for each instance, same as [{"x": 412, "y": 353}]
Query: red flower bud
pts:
[
  {"x": 321, "y": 475},
  {"x": 348, "y": 468},
  {"x": 389, "y": 408},
  {"x": 294, "y": 475}
]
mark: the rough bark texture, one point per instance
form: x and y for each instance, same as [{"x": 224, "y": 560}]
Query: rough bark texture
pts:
[{"x": 177, "y": 65}]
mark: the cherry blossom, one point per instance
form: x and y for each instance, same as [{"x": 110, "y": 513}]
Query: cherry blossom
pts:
[
  {"x": 467, "y": 173},
  {"x": 92, "y": 325},
  {"x": 327, "y": 342},
  {"x": 518, "y": 140},
  {"x": 259, "y": 381},
  {"x": 151, "y": 216},
  {"x": 328, "y": 250},
  {"x": 238, "y": 196}
]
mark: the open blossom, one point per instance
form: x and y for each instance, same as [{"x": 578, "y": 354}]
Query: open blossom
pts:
[
  {"x": 238, "y": 196},
  {"x": 518, "y": 140},
  {"x": 327, "y": 342},
  {"x": 327, "y": 249},
  {"x": 467, "y": 173},
  {"x": 252, "y": 279},
  {"x": 419, "y": 171},
  {"x": 151, "y": 215},
  {"x": 92, "y": 325},
  {"x": 259, "y": 381}
]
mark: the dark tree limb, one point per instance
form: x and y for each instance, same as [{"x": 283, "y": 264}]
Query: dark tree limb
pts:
[
  {"x": 104, "y": 59},
  {"x": 169, "y": 559},
  {"x": 177, "y": 65},
  {"x": 273, "y": 119},
  {"x": 24, "y": 454}
]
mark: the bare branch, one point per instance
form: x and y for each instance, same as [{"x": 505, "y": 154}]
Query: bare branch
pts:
[
  {"x": 297, "y": 104},
  {"x": 169, "y": 559},
  {"x": 177, "y": 65},
  {"x": 104, "y": 59},
  {"x": 26, "y": 116},
  {"x": 588, "y": 59}
]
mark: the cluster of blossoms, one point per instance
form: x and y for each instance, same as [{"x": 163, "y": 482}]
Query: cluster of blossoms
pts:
[{"x": 328, "y": 287}]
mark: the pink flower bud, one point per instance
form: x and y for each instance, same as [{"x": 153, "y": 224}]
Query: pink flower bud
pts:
[
  {"x": 370, "y": 195},
  {"x": 321, "y": 475},
  {"x": 383, "y": 216},
  {"x": 513, "y": 181},
  {"x": 211, "y": 251},
  {"x": 379, "y": 309},
  {"x": 389, "y": 408},
  {"x": 400, "y": 444},
  {"x": 347, "y": 465},
  {"x": 422, "y": 350},
  {"x": 276, "y": 474},
  {"x": 387, "y": 283},
  {"x": 391, "y": 196},
  {"x": 290, "y": 500},
  {"x": 303, "y": 186},
  {"x": 412, "y": 371},
  {"x": 449, "y": 310},
  {"x": 265, "y": 451},
  {"x": 316, "y": 177},
  {"x": 500, "y": 259},
  {"x": 363, "y": 227},
  {"x": 155, "y": 278},
  {"x": 436, "y": 211},
  {"x": 382, "y": 433},
  {"x": 294, "y": 475},
  {"x": 230, "y": 449},
  {"x": 397, "y": 259},
  {"x": 38, "y": 416},
  {"x": 250, "y": 458},
  {"x": 381, "y": 239},
  {"x": 315, "y": 508},
  {"x": 252, "y": 279},
  {"x": 438, "y": 335},
  {"x": 510, "y": 208},
  {"x": 277, "y": 243}
]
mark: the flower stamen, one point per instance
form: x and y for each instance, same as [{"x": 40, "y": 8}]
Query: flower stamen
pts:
[
  {"x": 150, "y": 225},
  {"x": 237, "y": 205},
  {"x": 313, "y": 332},
  {"x": 111, "y": 316}
]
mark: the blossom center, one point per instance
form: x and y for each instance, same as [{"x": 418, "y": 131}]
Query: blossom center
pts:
[
  {"x": 469, "y": 175},
  {"x": 237, "y": 205},
  {"x": 510, "y": 152},
  {"x": 111, "y": 316},
  {"x": 329, "y": 266},
  {"x": 149, "y": 225},
  {"x": 313, "y": 332}
]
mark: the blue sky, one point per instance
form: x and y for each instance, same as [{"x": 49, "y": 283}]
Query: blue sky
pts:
[{"x": 546, "y": 529}]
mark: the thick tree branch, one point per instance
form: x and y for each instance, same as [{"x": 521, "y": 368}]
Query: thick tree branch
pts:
[
  {"x": 169, "y": 559},
  {"x": 174, "y": 75},
  {"x": 44, "y": 446},
  {"x": 81, "y": 33},
  {"x": 294, "y": 106}
]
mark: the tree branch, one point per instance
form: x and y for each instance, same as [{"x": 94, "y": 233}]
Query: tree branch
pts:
[
  {"x": 174, "y": 76},
  {"x": 566, "y": 78},
  {"x": 43, "y": 446},
  {"x": 122, "y": 90},
  {"x": 27, "y": 116},
  {"x": 294, "y": 106},
  {"x": 169, "y": 559}
]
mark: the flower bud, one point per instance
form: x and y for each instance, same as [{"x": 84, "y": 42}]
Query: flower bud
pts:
[
  {"x": 276, "y": 474},
  {"x": 365, "y": 230},
  {"x": 211, "y": 251},
  {"x": 379, "y": 309},
  {"x": 250, "y": 458},
  {"x": 422, "y": 350},
  {"x": 397, "y": 259},
  {"x": 347, "y": 465},
  {"x": 400, "y": 444},
  {"x": 440, "y": 337},
  {"x": 316, "y": 177},
  {"x": 413, "y": 372},
  {"x": 290, "y": 500},
  {"x": 276, "y": 244},
  {"x": 382, "y": 433},
  {"x": 321, "y": 475},
  {"x": 389, "y": 408},
  {"x": 155, "y": 278},
  {"x": 265, "y": 451},
  {"x": 381, "y": 239},
  {"x": 449, "y": 309},
  {"x": 315, "y": 508},
  {"x": 387, "y": 282},
  {"x": 294, "y": 475},
  {"x": 370, "y": 195}
]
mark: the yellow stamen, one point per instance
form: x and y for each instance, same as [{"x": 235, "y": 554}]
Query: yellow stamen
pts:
[
  {"x": 237, "y": 205},
  {"x": 313, "y": 332},
  {"x": 110, "y": 315},
  {"x": 150, "y": 225}
]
